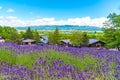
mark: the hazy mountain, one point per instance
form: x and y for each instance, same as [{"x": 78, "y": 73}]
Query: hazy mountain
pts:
[{"x": 62, "y": 27}]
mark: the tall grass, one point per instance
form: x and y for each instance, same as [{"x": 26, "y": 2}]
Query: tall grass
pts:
[
  {"x": 79, "y": 62},
  {"x": 7, "y": 56},
  {"x": 28, "y": 59}
]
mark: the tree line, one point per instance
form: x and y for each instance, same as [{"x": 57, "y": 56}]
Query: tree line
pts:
[
  {"x": 12, "y": 35},
  {"x": 77, "y": 38}
]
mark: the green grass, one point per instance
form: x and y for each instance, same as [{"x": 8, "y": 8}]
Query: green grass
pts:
[
  {"x": 26, "y": 59},
  {"x": 80, "y": 63},
  {"x": 29, "y": 59},
  {"x": 7, "y": 56}
]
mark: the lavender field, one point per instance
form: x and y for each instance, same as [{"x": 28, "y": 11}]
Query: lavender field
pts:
[{"x": 52, "y": 62}]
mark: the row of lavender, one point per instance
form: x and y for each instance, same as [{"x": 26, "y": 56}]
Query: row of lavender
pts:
[{"x": 43, "y": 70}]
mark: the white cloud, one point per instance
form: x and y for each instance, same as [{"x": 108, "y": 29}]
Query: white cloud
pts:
[
  {"x": 1, "y": 17},
  {"x": 85, "y": 21},
  {"x": 11, "y": 17},
  {"x": 38, "y": 17},
  {"x": 1, "y": 7},
  {"x": 10, "y": 10}
]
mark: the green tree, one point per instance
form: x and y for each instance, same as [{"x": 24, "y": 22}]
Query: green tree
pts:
[
  {"x": 29, "y": 34},
  {"x": 115, "y": 43},
  {"x": 10, "y": 34},
  {"x": 112, "y": 31},
  {"x": 36, "y": 36},
  {"x": 109, "y": 35},
  {"x": 15, "y": 37},
  {"x": 1, "y": 29},
  {"x": 76, "y": 38},
  {"x": 114, "y": 21},
  {"x": 22, "y": 33},
  {"x": 50, "y": 37},
  {"x": 85, "y": 39},
  {"x": 7, "y": 32},
  {"x": 56, "y": 36}
]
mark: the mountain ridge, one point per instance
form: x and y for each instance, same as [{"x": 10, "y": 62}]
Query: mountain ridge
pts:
[{"x": 61, "y": 27}]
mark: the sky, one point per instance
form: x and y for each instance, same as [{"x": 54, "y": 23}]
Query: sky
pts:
[{"x": 56, "y": 12}]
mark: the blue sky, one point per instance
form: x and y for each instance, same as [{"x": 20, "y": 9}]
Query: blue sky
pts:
[{"x": 56, "y": 10}]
